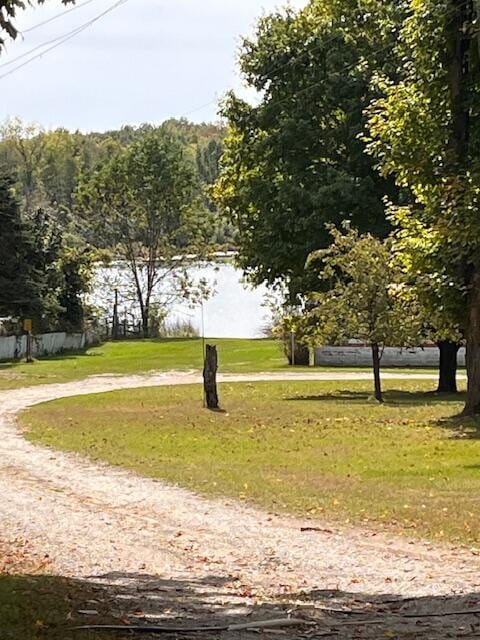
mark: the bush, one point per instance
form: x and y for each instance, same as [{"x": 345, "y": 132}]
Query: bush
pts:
[{"x": 178, "y": 329}]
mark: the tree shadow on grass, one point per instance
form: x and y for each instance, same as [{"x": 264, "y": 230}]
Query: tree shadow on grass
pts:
[
  {"x": 70, "y": 355},
  {"x": 49, "y": 607},
  {"x": 461, "y": 427},
  {"x": 392, "y": 396}
]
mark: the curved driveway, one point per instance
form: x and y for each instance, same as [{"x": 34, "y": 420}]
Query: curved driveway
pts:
[{"x": 94, "y": 520}]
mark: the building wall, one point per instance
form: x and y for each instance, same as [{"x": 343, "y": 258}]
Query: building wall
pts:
[{"x": 361, "y": 356}]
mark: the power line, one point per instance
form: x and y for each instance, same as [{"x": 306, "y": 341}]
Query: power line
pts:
[
  {"x": 41, "y": 46},
  {"x": 294, "y": 60},
  {"x": 60, "y": 40},
  {"x": 58, "y": 15},
  {"x": 203, "y": 106},
  {"x": 290, "y": 62}
]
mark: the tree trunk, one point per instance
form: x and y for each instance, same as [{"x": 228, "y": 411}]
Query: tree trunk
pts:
[
  {"x": 447, "y": 379},
  {"x": 472, "y": 404},
  {"x": 457, "y": 58},
  {"x": 210, "y": 377},
  {"x": 376, "y": 372},
  {"x": 145, "y": 310},
  {"x": 459, "y": 39},
  {"x": 301, "y": 355}
]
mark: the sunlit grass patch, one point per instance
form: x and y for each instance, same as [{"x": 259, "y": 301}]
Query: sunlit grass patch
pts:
[{"x": 318, "y": 449}]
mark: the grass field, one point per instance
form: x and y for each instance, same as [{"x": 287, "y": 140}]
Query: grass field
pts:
[
  {"x": 141, "y": 356},
  {"x": 318, "y": 449}
]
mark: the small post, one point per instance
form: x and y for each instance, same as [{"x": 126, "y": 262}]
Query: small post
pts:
[
  {"x": 125, "y": 324},
  {"x": 210, "y": 377},
  {"x": 27, "y": 326},
  {"x": 292, "y": 337},
  {"x": 115, "y": 317},
  {"x": 203, "y": 350}
]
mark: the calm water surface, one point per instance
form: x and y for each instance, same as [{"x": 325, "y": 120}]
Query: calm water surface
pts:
[{"x": 233, "y": 310}]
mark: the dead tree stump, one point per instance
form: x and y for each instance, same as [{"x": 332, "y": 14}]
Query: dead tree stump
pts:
[{"x": 210, "y": 377}]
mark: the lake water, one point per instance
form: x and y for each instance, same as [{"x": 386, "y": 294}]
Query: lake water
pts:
[{"x": 233, "y": 310}]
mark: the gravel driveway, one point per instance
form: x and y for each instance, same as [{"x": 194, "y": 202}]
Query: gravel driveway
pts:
[{"x": 168, "y": 552}]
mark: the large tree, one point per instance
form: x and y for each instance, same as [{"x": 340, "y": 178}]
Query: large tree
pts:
[
  {"x": 295, "y": 161},
  {"x": 426, "y": 131},
  {"x": 363, "y": 295},
  {"x": 146, "y": 204},
  {"x": 42, "y": 275}
]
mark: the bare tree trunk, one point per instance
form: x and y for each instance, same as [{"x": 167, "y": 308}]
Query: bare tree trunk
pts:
[
  {"x": 145, "y": 322},
  {"x": 472, "y": 404},
  {"x": 376, "y": 372},
  {"x": 210, "y": 377},
  {"x": 447, "y": 379}
]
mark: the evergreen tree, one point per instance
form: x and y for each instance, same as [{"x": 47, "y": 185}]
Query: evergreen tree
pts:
[{"x": 20, "y": 281}]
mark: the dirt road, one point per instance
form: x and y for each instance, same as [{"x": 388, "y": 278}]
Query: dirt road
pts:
[{"x": 216, "y": 558}]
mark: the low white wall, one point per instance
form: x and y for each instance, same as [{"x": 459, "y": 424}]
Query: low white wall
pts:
[
  {"x": 7, "y": 347},
  {"x": 45, "y": 344},
  {"x": 361, "y": 356}
]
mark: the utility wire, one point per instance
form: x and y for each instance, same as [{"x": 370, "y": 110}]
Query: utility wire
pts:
[
  {"x": 58, "y": 15},
  {"x": 296, "y": 59},
  {"x": 56, "y": 42},
  {"x": 41, "y": 46},
  {"x": 292, "y": 62}
]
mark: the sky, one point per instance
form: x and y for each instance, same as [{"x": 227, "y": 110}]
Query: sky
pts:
[{"x": 145, "y": 61}]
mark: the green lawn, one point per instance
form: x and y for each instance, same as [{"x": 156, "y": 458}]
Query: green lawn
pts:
[
  {"x": 141, "y": 356},
  {"x": 319, "y": 449}
]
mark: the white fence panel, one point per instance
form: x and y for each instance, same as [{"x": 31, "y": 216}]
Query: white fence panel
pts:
[
  {"x": 7, "y": 347},
  {"x": 361, "y": 356},
  {"x": 45, "y": 344}
]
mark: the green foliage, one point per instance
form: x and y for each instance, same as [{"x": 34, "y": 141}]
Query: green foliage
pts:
[
  {"x": 41, "y": 277},
  {"x": 50, "y": 165},
  {"x": 362, "y": 294},
  {"x": 426, "y": 131},
  {"x": 411, "y": 135},
  {"x": 295, "y": 162},
  {"x": 76, "y": 265},
  {"x": 20, "y": 277},
  {"x": 146, "y": 204}
]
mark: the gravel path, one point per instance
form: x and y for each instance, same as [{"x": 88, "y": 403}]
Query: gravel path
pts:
[{"x": 131, "y": 532}]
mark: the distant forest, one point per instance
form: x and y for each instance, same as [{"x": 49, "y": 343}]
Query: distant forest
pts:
[{"x": 49, "y": 166}]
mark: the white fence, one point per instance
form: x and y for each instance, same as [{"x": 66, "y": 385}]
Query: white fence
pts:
[
  {"x": 361, "y": 356},
  {"x": 46, "y": 344}
]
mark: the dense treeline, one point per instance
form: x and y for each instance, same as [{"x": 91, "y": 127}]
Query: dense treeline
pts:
[
  {"x": 48, "y": 166},
  {"x": 141, "y": 194}
]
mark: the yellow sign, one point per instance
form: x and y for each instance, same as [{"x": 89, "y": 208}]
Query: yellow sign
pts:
[{"x": 27, "y": 325}]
